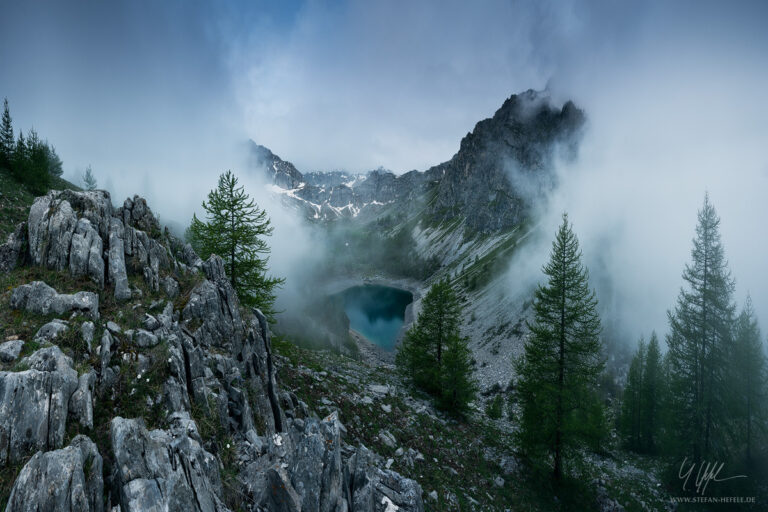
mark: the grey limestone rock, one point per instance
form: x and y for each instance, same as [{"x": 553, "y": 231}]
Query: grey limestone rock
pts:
[
  {"x": 10, "y": 350},
  {"x": 11, "y": 251},
  {"x": 118, "y": 275},
  {"x": 66, "y": 480},
  {"x": 158, "y": 471},
  {"x": 34, "y": 404},
  {"x": 85, "y": 257},
  {"x": 37, "y": 297},
  {"x": 51, "y": 330}
]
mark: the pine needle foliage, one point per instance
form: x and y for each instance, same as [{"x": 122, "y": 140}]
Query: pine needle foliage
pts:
[
  {"x": 235, "y": 229},
  {"x": 563, "y": 360}
]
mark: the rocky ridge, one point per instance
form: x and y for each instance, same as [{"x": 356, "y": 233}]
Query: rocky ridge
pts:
[
  {"x": 502, "y": 168},
  {"x": 155, "y": 389}
]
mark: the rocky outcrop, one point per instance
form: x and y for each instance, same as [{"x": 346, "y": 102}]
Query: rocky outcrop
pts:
[
  {"x": 81, "y": 232},
  {"x": 162, "y": 470},
  {"x": 304, "y": 470},
  {"x": 37, "y": 297},
  {"x": 210, "y": 358},
  {"x": 34, "y": 404},
  {"x": 66, "y": 480},
  {"x": 12, "y": 251}
]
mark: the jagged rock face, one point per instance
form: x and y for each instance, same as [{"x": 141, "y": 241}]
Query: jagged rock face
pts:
[
  {"x": 283, "y": 174},
  {"x": 81, "y": 232},
  {"x": 505, "y": 164},
  {"x": 304, "y": 470},
  {"x": 67, "y": 480},
  {"x": 162, "y": 470},
  {"x": 34, "y": 404},
  {"x": 503, "y": 167},
  {"x": 38, "y": 297},
  {"x": 215, "y": 360}
]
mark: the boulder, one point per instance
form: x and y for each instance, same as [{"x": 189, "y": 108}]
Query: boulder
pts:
[
  {"x": 34, "y": 404},
  {"x": 10, "y": 350},
  {"x": 37, "y": 297},
  {"x": 159, "y": 471},
  {"x": 51, "y": 330},
  {"x": 67, "y": 480},
  {"x": 145, "y": 339}
]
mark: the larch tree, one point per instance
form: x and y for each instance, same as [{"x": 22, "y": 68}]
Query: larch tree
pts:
[
  {"x": 749, "y": 383},
  {"x": 235, "y": 229},
  {"x": 699, "y": 340},
  {"x": 631, "y": 418},
  {"x": 563, "y": 359},
  {"x": 89, "y": 180},
  {"x": 434, "y": 355},
  {"x": 651, "y": 395}
]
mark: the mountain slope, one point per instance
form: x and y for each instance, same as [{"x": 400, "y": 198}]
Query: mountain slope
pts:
[{"x": 501, "y": 168}]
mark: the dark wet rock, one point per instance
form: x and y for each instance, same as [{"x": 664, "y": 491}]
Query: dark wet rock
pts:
[
  {"x": 37, "y": 297},
  {"x": 67, "y": 480}
]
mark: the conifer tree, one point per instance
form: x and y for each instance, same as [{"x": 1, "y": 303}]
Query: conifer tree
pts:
[
  {"x": 651, "y": 395},
  {"x": 89, "y": 180},
  {"x": 20, "y": 159},
  {"x": 7, "y": 142},
  {"x": 563, "y": 360},
  {"x": 698, "y": 341},
  {"x": 434, "y": 356},
  {"x": 631, "y": 419},
  {"x": 234, "y": 229},
  {"x": 749, "y": 383},
  {"x": 36, "y": 170}
]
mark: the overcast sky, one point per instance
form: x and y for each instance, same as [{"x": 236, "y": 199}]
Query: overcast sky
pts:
[{"x": 156, "y": 97}]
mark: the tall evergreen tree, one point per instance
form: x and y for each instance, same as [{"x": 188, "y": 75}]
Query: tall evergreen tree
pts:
[
  {"x": 20, "y": 158},
  {"x": 53, "y": 160},
  {"x": 434, "y": 356},
  {"x": 698, "y": 341},
  {"x": 563, "y": 360},
  {"x": 234, "y": 229},
  {"x": 749, "y": 383},
  {"x": 651, "y": 395},
  {"x": 7, "y": 142},
  {"x": 631, "y": 419},
  {"x": 36, "y": 172}
]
